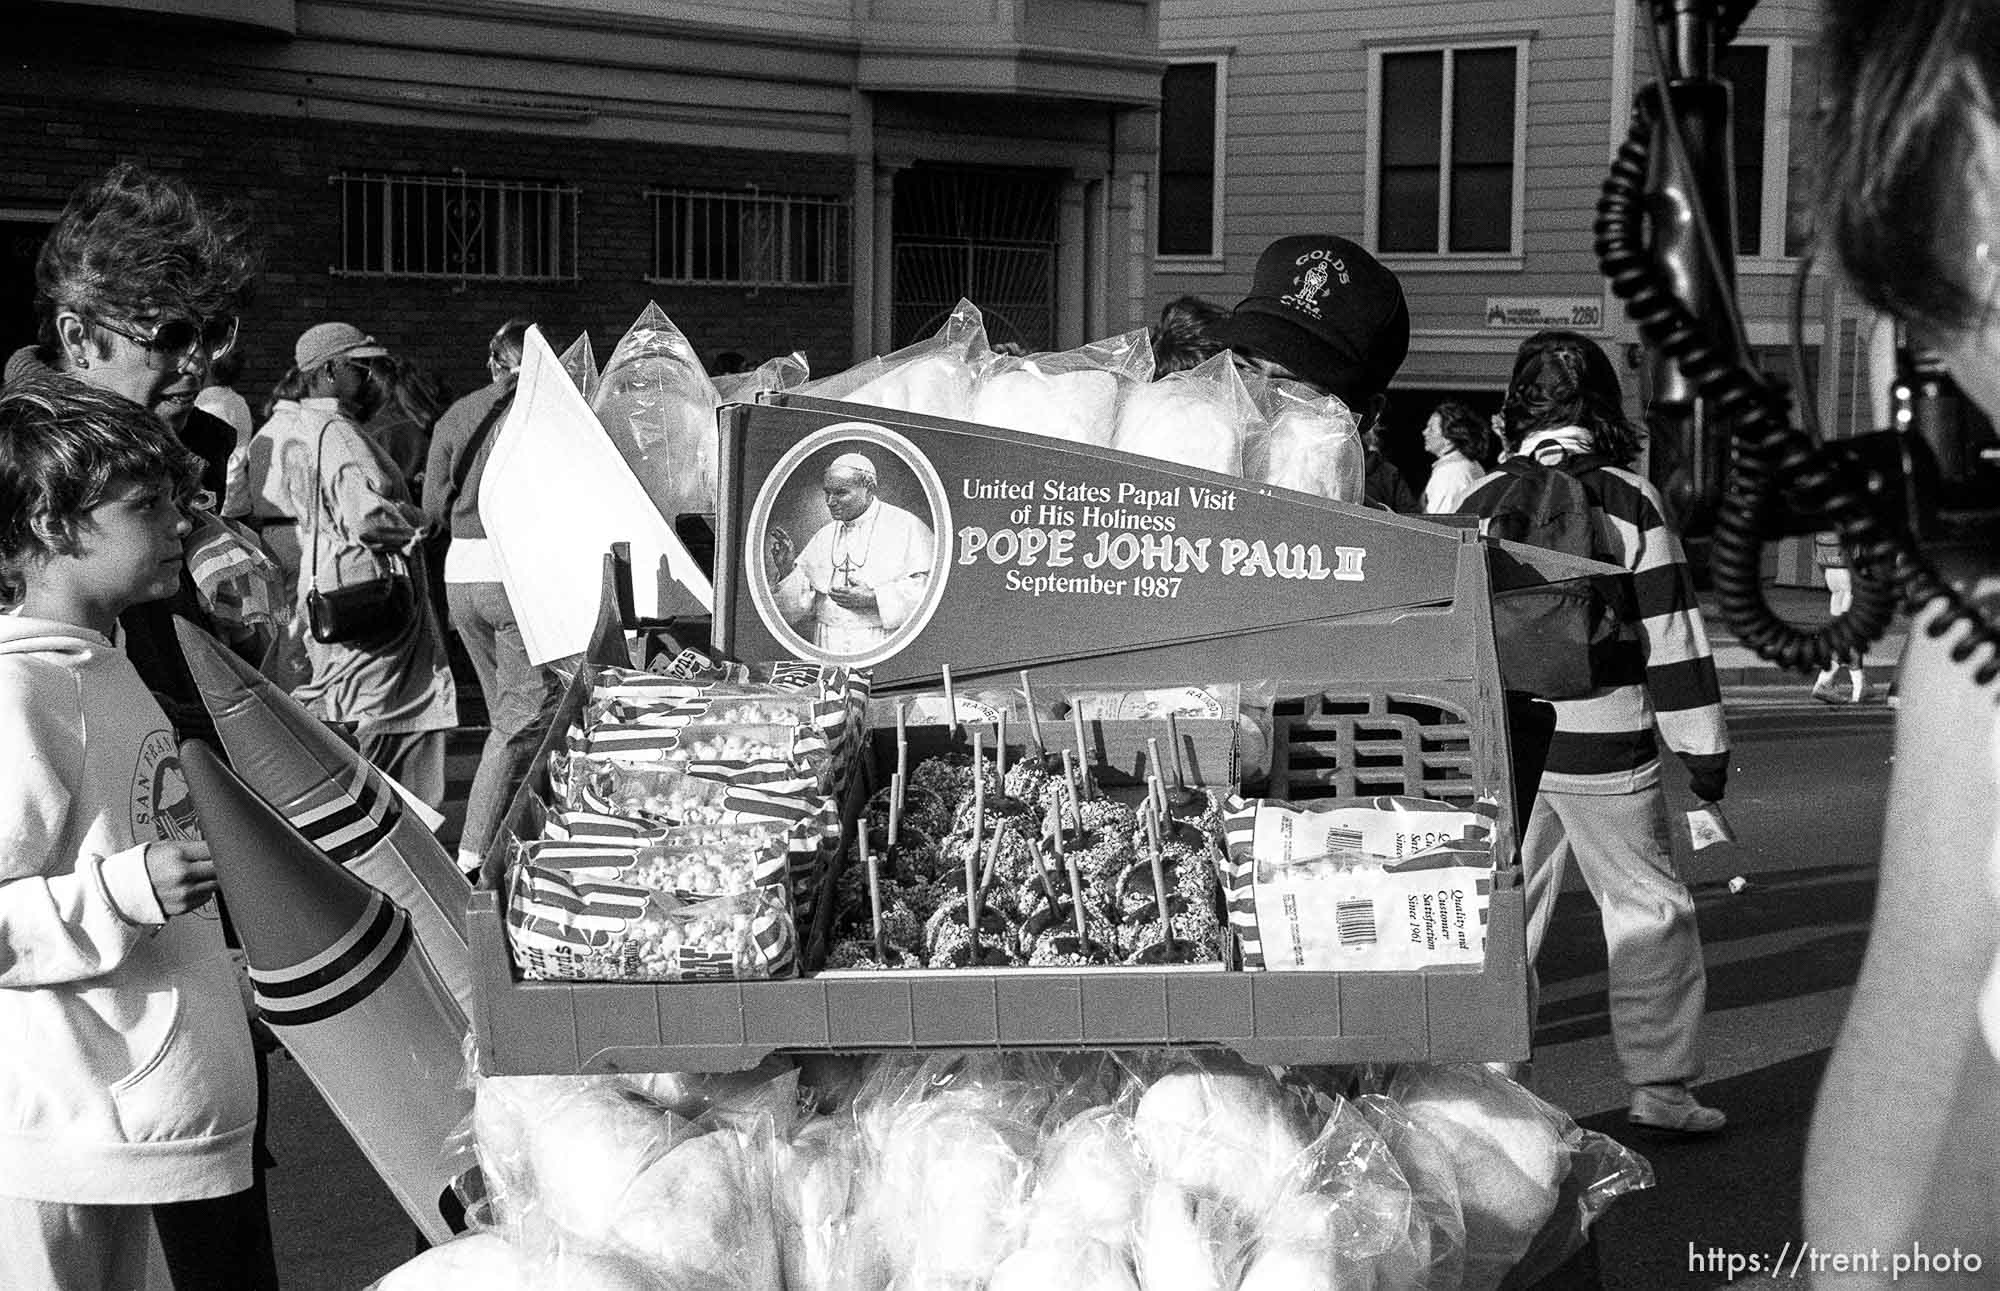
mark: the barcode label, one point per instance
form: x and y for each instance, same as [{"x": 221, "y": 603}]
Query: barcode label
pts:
[
  {"x": 1355, "y": 921},
  {"x": 1343, "y": 842}
]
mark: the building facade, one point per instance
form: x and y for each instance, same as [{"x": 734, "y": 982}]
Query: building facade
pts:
[
  {"x": 820, "y": 175},
  {"x": 1467, "y": 144}
]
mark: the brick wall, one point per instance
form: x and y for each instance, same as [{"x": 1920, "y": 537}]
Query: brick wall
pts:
[{"x": 279, "y": 169}]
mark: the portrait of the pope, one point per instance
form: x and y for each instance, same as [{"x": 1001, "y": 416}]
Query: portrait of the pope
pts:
[{"x": 863, "y": 574}]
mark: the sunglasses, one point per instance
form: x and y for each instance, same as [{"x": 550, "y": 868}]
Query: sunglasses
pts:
[{"x": 180, "y": 337}]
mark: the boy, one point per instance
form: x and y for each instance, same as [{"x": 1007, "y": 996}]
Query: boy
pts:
[{"x": 128, "y": 1080}]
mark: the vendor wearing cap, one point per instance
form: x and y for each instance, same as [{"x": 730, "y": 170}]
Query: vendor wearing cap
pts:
[
  {"x": 863, "y": 574},
  {"x": 355, "y": 522},
  {"x": 329, "y": 362},
  {"x": 1326, "y": 313}
]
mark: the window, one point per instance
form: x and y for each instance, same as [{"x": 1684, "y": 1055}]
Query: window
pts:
[
  {"x": 1190, "y": 159},
  {"x": 1747, "y": 68},
  {"x": 1446, "y": 164},
  {"x": 749, "y": 239},
  {"x": 1774, "y": 182},
  {"x": 451, "y": 226}
]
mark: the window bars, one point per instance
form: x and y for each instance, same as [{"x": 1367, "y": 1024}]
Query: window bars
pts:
[
  {"x": 749, "y": 239},
  {"x": 455, "y": 227}
]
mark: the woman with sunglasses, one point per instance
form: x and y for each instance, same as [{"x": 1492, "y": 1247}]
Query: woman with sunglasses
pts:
[{"x": 137, "y": 289}]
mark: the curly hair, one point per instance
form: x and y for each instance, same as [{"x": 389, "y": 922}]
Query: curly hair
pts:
[
  {"x": 136, "y": 240},
  {"x": 1182, "y": 339},
  {"x": 62, "y": 444},
  {"x": 1563, "y": 378},
  {"x": 1466, "y": 431}
]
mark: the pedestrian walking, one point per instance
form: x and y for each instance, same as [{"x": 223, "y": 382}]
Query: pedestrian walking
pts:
[
  {"x": 1601, "y": 802},
  {"x": 516, "y": 690}
]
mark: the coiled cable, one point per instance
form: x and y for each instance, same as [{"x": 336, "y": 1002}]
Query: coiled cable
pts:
[{"x": 1771, "y": 458}]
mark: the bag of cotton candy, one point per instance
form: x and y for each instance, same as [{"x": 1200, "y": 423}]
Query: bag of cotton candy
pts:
[
  {"x": 1530, "y": 1180},
  {"x": 1199, "y": 417},
  {"x": 656, "y": 402},
  {"x": 1306, "y": 441},
  {"x": 933, "y": 377},
  {"x": 598, "y": 1167},
  {"x": 951, "y": 1150},
  {"x": 1073, "y": 395},
  {"x": 774, "y": 375},
  {"x": 1223, "y": 1129},
  {"x": 487, "y": 1261},
  {"x": 1342, "y": 1216}
]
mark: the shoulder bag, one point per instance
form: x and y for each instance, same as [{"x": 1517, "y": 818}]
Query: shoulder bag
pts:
[{"x": 361, "y": 614}]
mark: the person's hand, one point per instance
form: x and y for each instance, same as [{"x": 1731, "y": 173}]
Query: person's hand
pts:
[
  {"x": 781, "y": 552},
  {"x": 1709, "y": 786},
  {"x": 858, "y": 598},
  {"x": 388, "y": 534},
  {"x": 182, "y": 875}
]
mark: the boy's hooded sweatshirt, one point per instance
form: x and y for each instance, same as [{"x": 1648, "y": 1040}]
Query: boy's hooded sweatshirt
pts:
[{"x": 125, "y": 1060}]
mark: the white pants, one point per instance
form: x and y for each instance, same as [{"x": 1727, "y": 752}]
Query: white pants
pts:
[
  {"x": 61, "y": 1246},
  {"x": 1623, "y": 843}
]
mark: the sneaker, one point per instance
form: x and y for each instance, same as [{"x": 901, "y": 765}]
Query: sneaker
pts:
[
  {"x": 1823, "y": 690},
  {"x": 1672, "y": 1110}
]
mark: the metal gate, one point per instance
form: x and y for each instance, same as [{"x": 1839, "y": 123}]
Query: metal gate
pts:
[{"x": 988, "y": 235}]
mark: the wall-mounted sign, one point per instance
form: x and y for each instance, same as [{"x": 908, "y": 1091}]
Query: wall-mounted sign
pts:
[
  {"x": 1533, "y": 313},
  {"x": 858, "y": 536}
]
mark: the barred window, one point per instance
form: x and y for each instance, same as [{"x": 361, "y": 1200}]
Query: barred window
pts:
[
  {"x": 749, "y": 238},
  {"x": 453, "y": 226}
]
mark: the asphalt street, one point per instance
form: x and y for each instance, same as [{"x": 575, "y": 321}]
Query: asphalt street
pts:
[{"x": 1807, "y": 788}]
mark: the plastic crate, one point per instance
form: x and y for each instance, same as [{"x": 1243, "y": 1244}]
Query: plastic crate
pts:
[
  {"x": 1414, "y": 707},
  {"x": 1277, "y": 1019},
  {"x": 1365, "y": 741}
]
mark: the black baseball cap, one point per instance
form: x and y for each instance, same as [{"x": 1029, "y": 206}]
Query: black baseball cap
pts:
[{"x": 1328, "y": 311}]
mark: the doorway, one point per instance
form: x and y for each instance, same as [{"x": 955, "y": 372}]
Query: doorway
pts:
[{"x": 985, "y": 234}]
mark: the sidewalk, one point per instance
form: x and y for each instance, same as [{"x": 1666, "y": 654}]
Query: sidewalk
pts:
[{"x": 1738, "y": 665}]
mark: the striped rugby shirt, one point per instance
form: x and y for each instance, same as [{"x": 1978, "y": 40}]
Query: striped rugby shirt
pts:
[{"x": 1605, "y": 742}]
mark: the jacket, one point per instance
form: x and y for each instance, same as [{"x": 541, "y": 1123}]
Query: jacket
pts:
[
  {"x": 1605, "y": 742},
  {"x": 127, "y": 1075}
]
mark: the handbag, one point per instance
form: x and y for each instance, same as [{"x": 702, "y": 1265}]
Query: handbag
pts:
[{"x": 362, "y": 614}]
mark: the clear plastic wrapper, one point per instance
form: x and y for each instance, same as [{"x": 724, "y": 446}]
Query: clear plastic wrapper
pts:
[
  {"x": 1079, "y": 1264},
  {"x": 601, "y": 1182},
  {"x": 1223, "y": 1130},
  {"x": 581, "y": 364},
  {"x": 1342, "y": 1216},
  {"x": 951, "y": 1151},
  {"x": 704, "y": 1215},
  {"x": 1200, "y": 417},
  {"x": 1090, "y": 1181},
  {"x": 933, "y": 377},
  {"x": 1189, "y": 1242},
  {"x": 1306, "y": 441},
  {"x": 564, "y": 1150},
  {"x": 1437, "y": 1225},
  {"x": 1529, "y": 1179},
  {"x": 656, "y": 402},
  {"x": 487, "y": 1261},
  {"x": 773, "y": 375},
  {"x": 1072, "y": 395}
]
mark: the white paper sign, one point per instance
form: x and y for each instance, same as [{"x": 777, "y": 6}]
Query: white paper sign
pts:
[{"x": 554, "y": 497}]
